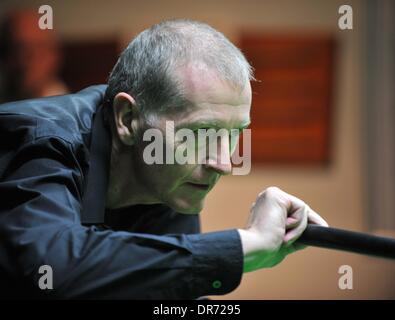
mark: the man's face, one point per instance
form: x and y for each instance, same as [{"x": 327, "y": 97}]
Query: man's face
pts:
[{"x": 214, "y": 104}]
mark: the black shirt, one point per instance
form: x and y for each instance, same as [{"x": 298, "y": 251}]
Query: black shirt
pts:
[{"x": 54, "y": 165}]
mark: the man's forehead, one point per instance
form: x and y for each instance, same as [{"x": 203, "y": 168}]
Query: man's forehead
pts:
[{"x": 202, "y": 84}]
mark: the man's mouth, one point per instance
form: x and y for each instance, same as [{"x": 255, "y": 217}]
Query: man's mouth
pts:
[{"x": 200, "y": 186}]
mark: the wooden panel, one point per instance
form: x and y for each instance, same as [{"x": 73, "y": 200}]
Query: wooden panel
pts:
[{"x": 291, "y": 100}]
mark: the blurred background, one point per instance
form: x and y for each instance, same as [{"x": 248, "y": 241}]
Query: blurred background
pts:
[{"x": 323, "y": 112}]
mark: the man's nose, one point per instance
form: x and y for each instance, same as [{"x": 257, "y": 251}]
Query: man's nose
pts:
[{"x": 219, "y": 161}]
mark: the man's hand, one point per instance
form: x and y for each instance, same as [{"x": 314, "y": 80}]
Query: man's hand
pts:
[{"x": 276, "y": 220}]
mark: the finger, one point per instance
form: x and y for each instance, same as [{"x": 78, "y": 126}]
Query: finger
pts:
[
  {"x": 294, "y": 202},
  {"x": 315, "y": 218},
  {"x": 288, "y": 201},
  {"x": 294, "y": 219},
  {"x": 292, "y": 235},
  {"x": 295, "y": 233},
  {"x": 292, "y": 222}
]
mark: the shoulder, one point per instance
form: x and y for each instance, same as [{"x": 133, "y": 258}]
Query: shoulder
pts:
[{"x": 68, "y": 117}]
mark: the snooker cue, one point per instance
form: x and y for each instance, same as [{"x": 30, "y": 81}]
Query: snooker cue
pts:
[{"x": 345, "y": 240}]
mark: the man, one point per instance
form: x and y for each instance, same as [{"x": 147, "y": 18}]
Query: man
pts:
[{"x": 79, "y": 197}]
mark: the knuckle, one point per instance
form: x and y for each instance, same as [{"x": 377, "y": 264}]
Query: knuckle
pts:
[{"x": 272, "y": 191}]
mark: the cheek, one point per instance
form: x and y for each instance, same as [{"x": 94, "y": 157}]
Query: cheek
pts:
[
  {"x": 179, "y": 174},
  {"x": 166, "y": 178},
  {"x": 174, "y": 177}
]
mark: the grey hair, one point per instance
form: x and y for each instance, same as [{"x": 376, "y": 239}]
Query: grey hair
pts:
[{"x": 145, "y": 69}]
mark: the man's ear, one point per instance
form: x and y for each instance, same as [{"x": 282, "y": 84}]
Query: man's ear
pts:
[{"x": 126, "y": 116}]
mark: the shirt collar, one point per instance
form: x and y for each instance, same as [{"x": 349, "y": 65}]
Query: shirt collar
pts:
[{"x": 95, "y": 194}]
